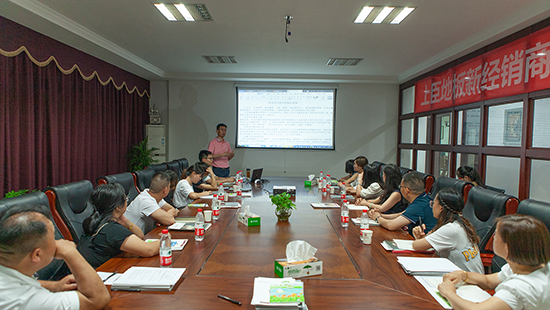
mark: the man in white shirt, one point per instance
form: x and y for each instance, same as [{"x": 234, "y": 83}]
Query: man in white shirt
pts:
[
  {"x": 27, "y": 244},
  {"x": 149, "y": 206}
]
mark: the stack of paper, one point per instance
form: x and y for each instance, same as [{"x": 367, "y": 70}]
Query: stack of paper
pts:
[
  {"x": 469, "y": 292},
  {"x": 233, "y": 205},
  {"x": 177, "y": 244},
  {"x": 398, "y": 245},
  {"x": 426, "y": 266},
  {"x": 190, "y": 226},
  {"x": 357, "y": 221},
  {"x": 320, "y": 205},
  {"x": 148, "y": 279},
  {"x": 285, "y": 293}
]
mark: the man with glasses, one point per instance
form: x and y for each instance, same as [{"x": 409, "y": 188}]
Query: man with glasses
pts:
[
  {"x": 417, "y": 213},
  {"x": 211, "y": 181}
]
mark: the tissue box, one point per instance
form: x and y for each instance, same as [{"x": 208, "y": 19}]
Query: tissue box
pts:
[
  {"x": 249, "y": 220},
  {"x": 301, "y": 269},
  {"x": 281, "y": 189}
]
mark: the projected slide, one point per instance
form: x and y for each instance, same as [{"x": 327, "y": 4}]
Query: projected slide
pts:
[{"x": 285, "y": 118}]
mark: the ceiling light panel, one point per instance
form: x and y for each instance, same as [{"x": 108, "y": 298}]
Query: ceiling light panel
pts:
[
  {"x": 220, "y": 59},
  {"x": 383, "y": 15},
  {"x": 343, "y": 61},
  {"x": 184, "y": 12}
]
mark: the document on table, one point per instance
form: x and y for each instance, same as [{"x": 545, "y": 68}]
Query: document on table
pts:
[
  {"x": 356, "y": 207},
  {"x": 207, "y": 197},
  {"x": 177, "y": 244},
  {"x": 357, "y": 221},
  {"x": 261, "y": 294},
  {"x": 320, "y": 205},
  {"x": 469, "y": 292},
  {"x": 187, "y": 226},
  {"x": 426, "y": 266},
  {"x": 231, "y": 205},
  {"x": 247, "y": 194},
  {"x": 108, "y": 277},
  {"x": 148, "y": 279}
]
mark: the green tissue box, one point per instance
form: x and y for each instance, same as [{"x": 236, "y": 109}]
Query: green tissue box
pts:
[{"x": 249, "y": 220}]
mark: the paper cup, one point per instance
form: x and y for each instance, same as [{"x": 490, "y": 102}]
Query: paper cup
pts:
[
  {"x": 366, "y": 236},
  {"x": 208, "y": 215}
]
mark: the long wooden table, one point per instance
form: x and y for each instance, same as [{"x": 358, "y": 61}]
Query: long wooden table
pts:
[{"x": 232, "y": 255}]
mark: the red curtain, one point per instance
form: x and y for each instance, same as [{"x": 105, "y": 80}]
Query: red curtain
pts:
[{"x": 57, "y": 128}]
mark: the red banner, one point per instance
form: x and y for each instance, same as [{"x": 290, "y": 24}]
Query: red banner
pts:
[{"x": 518, "y": 67}]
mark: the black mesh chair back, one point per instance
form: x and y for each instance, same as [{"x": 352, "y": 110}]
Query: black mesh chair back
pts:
[
  {"x": 73, "y": 205},
  {"x": 143, "y": 178},
  {"x": 184, "y": 164},
  {"x": 175, "y": 166},
  {"x": 126, "y": 179}
]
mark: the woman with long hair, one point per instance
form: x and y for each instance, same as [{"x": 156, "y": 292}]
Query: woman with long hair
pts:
[
  {"x": 369, "y": 184},
  {"x": 358, "y": 166},
  {"x": 349, "y": 170},
  {"x": 453, "y": 236},
  {"x": 108, "y": 232},
  {"x": 523, "y": 283},
  {"x": 391, "y": 200}
]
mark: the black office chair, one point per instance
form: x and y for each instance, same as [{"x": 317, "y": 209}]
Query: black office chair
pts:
[
  {"x": 428, "y": 180},
  {"x": 72, "y": 204},
  {"x": 534, "y": 208},
  {"x": 37, "y": 198},
  {"x": 126, "y": 179},
  {"x": 444, "y": 182},
  {"x": 175, "y": 166},
  {"x": 404, "y": 170},
  {"x": 496, "y": 189},
  {"x": 158, "y": 167},
  {"x": 378, "y": 166},
  {"x": 184, "y": 164},
  {"x": 482, "y": 209},
  {"x": 143, "y": 178}
]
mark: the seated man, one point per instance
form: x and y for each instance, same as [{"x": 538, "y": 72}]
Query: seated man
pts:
[
  {"x": 210, "y": 182},
  {"x": 149, "y": 206},
  {"x": 27, "y": 244},
  {"x": 418, "y": 212},
  {"x": 184, "y": 193}
]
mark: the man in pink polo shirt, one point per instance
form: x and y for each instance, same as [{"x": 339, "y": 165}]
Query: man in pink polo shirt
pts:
[{"x": 221, "y": 152}]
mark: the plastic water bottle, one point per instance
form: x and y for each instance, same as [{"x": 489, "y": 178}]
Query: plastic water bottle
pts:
[
  {"x": 329, "y": 182},
  {"x": 221, "y": 192},
  {"x": 344, "y": 214},
  {"x": 321, "y": 179},
  {"x": 324, "y": 185},
  {"x": 240, "y": 188},
  {"x": 199, "y": 226},
  {"x": 216, "y": 207},
  {"x": 364, "y": 220},
  {"x": 343, "y": 192},
  {"x": 165, "y": 249}
]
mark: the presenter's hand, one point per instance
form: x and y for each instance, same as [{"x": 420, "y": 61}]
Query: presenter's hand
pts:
[
  {"x": 418, "y": 231},
  {"x": 230, "y": 155},
  {"x": 446, "y": 288},
  {"x": 68, "y": 283}
]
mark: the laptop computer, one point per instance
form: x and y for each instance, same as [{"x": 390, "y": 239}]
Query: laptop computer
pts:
[{"x": 256, "y": 175}]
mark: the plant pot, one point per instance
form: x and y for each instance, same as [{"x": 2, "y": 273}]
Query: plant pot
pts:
[{"x": 283, "y": 214}]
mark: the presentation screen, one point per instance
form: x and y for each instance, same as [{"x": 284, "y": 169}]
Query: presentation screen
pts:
[{"x": 285, "y": 118}]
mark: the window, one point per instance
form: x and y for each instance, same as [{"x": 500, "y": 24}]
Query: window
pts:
[
  {"x": 443, "y": 129},
  {"x": 421, "y": 161},
  {"x": 423, "y": 129},
  {"x": 441, "y": 164},
  {"x": 539, "y": 180},
  {"x": 406, "y": 158},
  {"x": 407, "y": 106},
  {"x": 541, "y": 123},
  {"x": 504, "y": 127},
  {"x": 468, "y": 127},
  {"x": 463, "y": 159},
  {"x": 503, "y": 172},
  {"x": 407, "y": 127}
]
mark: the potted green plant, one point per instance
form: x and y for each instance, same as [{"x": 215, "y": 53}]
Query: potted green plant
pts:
[
  {"x": 141, "y": 156},
  {"x": 283, "y": 205},
  {"x": 18, "y": 193}
]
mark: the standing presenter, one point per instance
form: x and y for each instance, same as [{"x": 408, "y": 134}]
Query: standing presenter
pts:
[{"x": 221, "y": 152}]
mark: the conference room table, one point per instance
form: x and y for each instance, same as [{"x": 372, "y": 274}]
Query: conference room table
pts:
[{"x": 355, "y": 276}]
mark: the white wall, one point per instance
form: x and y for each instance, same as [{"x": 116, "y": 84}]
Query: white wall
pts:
[{"x": 366, "y": 124}]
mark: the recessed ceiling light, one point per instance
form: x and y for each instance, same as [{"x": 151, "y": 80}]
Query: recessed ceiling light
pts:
[
  {"x": 164, "y": 10},
  {"x": 401, "y": 16},
  {"x": 380, "y": 18},
  {"x": 184, "y": 12},
  {"x": 363, "y": 14}
]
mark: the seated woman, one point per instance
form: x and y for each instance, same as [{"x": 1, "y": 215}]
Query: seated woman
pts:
[
  {"x": 108, "y": 232},
  {"x": 524, "y": 283},
  {"x": 369, "y": 184},
  {"x": 184, "y": 193},
  {"x": 453, "y": 237},
  {"x": 469, "y": 174},
  {"x": 358, "y": 164},
  {"x": 349, "y": 170},
  {"x": 391, "y": 200}
]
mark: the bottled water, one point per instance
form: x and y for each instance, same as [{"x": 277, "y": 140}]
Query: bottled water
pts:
[
  {"x": 364, "y": 220},
  {"x": 216, "y": 207},
  {"x": 344, "y": 214},
  {"x": 165, "y": 249},
  {"x": 199, "y": 226},
  {"x": 321, "y": 179},
  {"x": 343, "y": 192},
  {"x": 324, "y": 185},
  {"x": 221, "y": 192}
]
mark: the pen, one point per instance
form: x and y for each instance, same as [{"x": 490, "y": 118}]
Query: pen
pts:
[
  {"x": 420, "y": 221},
  {"x": 110, "y": 276},
  {"x": 229, "y": 299}
]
